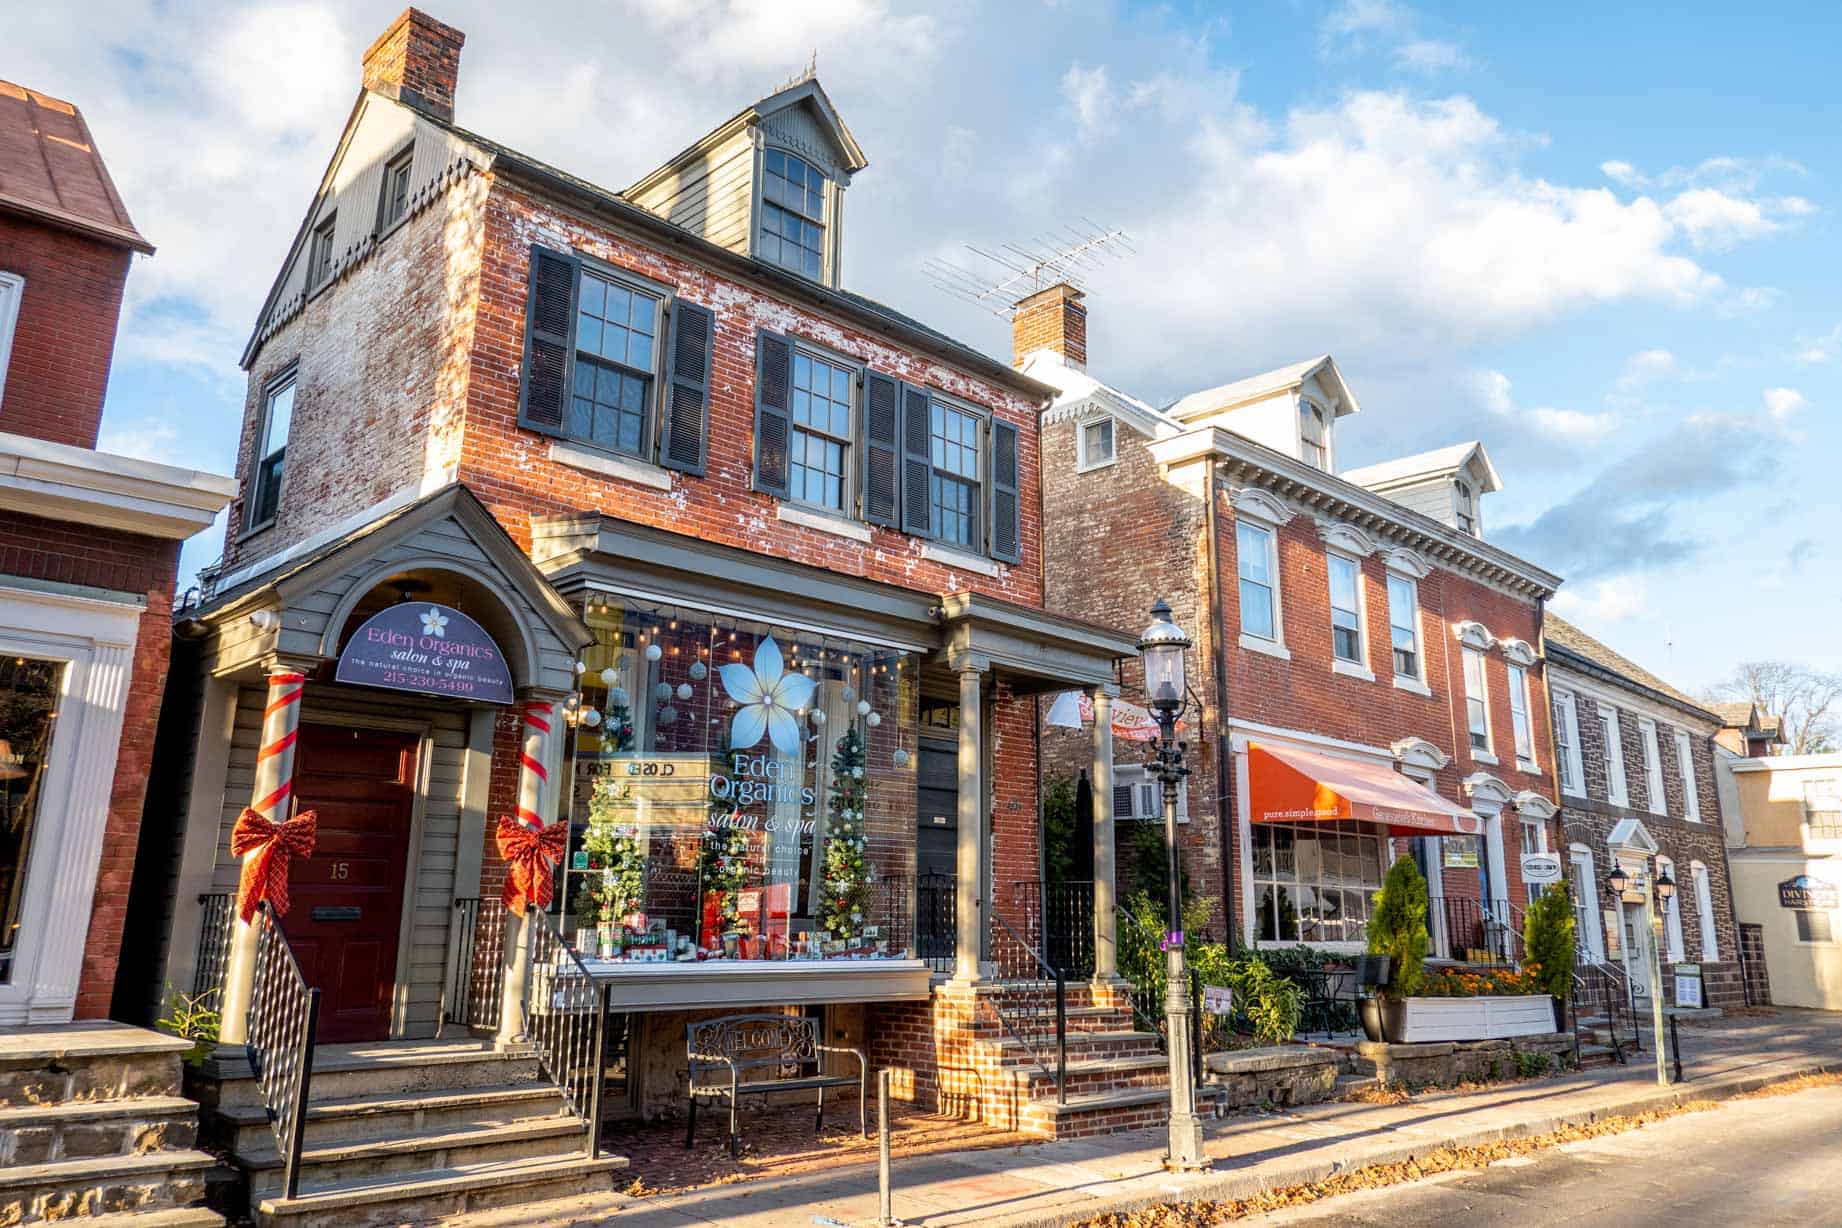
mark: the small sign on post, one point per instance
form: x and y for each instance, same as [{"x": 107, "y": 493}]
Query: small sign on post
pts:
[{"x": 1217, "y": 1000}]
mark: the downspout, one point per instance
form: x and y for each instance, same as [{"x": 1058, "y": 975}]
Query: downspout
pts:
[{"x": 1231, "y": 850}]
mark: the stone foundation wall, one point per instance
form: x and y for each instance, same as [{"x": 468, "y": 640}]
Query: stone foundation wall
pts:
[
  {"x": 1274, "y": 1077},
  {"x": 1448, "y": 1063}
]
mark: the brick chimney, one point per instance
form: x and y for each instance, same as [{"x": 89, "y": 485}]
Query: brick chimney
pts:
[
  {"x": 1052, "y": 319},
  {"x": 417, "y": 62}
]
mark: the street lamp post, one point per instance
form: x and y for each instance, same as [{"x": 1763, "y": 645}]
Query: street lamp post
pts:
[
  {"x": 1161, "y": 648},
  {"x": 1658, "y": 890}
]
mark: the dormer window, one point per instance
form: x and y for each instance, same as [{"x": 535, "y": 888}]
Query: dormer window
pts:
[
  {"x": 1314, "y": 435},
  {"x": 1464, "y": 507},
  {"x": 792, "y": 214}
]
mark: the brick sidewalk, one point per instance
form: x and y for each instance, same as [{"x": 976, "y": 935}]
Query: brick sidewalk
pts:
[{"x": 1057, "y": 1183}]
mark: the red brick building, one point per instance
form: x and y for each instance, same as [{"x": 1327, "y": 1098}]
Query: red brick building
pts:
[
  {"x": 89, "y": 552},
  {"x": 746, "y": 570},
  {"x": 1367, "y": 677}
]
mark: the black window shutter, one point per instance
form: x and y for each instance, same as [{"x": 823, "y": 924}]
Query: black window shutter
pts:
[
  {"x": 773, "y": 397},
  {"x": 882, "y": 443},
  {"x": 549, "y": 341},
  {"x": 686, "y": 416},
  {"x": 1006, "y": 507},
  {"x": 916, "y": 465}
]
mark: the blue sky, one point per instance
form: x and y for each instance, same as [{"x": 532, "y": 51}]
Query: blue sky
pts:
[{"x": 1602, "y": 242}]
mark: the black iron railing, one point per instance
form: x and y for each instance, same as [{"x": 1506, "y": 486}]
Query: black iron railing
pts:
[
  {"x": 566, "y": 1019},
  {"x": 284, "y": 1018},
  {"x": 1031, "y": 1001},
  {"x": 936, "y": 920},
  {"x": 1602, "y": 1000},
  {"x": 216, "y": 924},
  {"x": 890, "y": 907},
  {"x": 1059, "y": 917},
  {"x": 476, "y": 966},
  {"x": 1476, "y": 931}
]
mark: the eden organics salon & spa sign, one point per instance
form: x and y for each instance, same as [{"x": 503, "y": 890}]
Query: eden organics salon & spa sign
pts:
[{"x": 428, "y": 649}]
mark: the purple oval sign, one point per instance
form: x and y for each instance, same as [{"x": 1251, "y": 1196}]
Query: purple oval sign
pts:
[{"x": 427, "y": 648}]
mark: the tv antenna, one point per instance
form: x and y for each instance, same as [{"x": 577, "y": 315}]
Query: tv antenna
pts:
[{"x": 998, "y": 279}]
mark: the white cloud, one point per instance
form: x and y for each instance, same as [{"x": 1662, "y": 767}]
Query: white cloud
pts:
[
  {"x": 1819, "y": 349},
  {"x": 1622, "y": 172},
  {"x": 1538, "y": 433},
  {"x": 1357, "y": 17},
  {"x": 1646, "y": 366},
  {"x": 1617, "y": 600},
  {"x": 148, "y": 441},
  {"x": 1714, "y": 220},
  {"x": 1090, "y": 93},
  {"x": 1430, "y": 55},
  {"x": 1784, "y": 403},
  {"x": 1356, "y": 25}
]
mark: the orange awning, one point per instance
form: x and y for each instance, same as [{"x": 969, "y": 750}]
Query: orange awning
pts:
[{"x": 1288, "y": 785}]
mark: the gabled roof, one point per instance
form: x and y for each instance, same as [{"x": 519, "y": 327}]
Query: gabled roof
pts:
[
  {"x": 1257, "y": 387},
  {"x": 1440, "y": 462},
  {"x": 1078, "y": 393},
  {"x": 1737, "y": 716},
  {"x": 1564, "y": 640},
  {"x": 50, "y": 169},
  {"x": 807, "y": 92}
]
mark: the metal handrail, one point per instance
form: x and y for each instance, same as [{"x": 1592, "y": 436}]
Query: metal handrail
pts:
[
  {"x": 1024, "y": 978},
  {"x": 1060, "y": 916},
  {"x": 476, "y": 967},
  {"x": 216, "y": 924},
  {"x": 566, "y": 1020},
  {"x": 937, "y": 920},
  {"x": 1474, "y": 928},
  {"x": 284, "y": 1022}
]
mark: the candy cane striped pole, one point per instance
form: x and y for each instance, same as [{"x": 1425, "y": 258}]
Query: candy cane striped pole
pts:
[
  {"x": 273, "y": 796},
  {"x": 535, "y": 762}
]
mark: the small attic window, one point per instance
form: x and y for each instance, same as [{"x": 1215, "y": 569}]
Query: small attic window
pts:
[
  {"x": 792, "y": 214},
  {"x": 1464, "y": 506},
  {"x": 1096, "y": 445},
  {"x": 393, "y": 203},
  {"x": 1314, "y": 435},
  {"x": 320, "y": 251}
]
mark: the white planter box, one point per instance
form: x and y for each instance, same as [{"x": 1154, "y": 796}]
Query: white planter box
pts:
[{"x": 1433, "y": 1019}]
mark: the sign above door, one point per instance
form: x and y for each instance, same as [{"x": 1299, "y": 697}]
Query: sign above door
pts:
[{"x": 428, "y": 649}]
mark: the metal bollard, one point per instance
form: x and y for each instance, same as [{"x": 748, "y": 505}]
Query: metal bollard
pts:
[
  {"x": 885, "y": 1212},
  {"x": 1675, "y": 1042}
]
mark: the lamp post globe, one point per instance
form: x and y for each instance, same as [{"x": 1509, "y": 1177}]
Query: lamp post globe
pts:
[
  {"x": 1618, "y": 880},
  {"x": 1666, "y": 887},
  {"x": 1161, "y": 650}
]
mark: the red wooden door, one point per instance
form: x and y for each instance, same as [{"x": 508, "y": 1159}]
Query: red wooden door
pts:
[{"x": 347, "y": 899}]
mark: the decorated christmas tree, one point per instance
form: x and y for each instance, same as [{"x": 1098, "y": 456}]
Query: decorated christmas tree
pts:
[
  {"x": 722, "y": 863},
  {"x": 615, "y": 883},
  {"x": 847, "y": 886}
]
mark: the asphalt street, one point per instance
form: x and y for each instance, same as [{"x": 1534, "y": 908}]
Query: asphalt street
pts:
[{"x": 1775, "y": 1160}]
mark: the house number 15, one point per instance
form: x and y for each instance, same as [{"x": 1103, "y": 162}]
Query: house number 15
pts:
[{"x": 341, "y": 870}]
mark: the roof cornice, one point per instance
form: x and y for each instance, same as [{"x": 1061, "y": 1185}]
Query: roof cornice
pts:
[
  {"x": 1325, "y": 494},
  {"x": 1590, "y": 671},
  {"x": 61, "y": 482}
]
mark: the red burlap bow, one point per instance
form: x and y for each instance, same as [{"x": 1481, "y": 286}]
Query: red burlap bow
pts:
[
  {"x": 529, "y": 860},
  {"x": 265, "y": 876}
]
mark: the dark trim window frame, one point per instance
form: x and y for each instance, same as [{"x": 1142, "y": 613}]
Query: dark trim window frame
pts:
[
  {"x": 793, "y": 223},
  {"x": 320, "y": 250},
  {"x": 818, "y": 454},
  {"x": 267, "y": 455},
  {"x": 393, "y": 193}
]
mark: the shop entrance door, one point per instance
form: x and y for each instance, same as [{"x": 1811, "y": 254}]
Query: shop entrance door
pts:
[
  {"x": 937, "y": 812},
  {"x": 347, "y": 899},
  {"x": 1637, "y": 954}
]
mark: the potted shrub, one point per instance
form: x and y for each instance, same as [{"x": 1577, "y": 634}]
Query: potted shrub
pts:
[
  {"x": 1397, "y": 930},
  {"x": 1548, "y": 940}
]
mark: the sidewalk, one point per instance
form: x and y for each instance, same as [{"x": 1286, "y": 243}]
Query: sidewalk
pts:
[{"x": 1059, "y": 1183}]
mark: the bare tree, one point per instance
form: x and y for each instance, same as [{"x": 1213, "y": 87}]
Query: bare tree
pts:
[{"x": 1807, "y": 702}]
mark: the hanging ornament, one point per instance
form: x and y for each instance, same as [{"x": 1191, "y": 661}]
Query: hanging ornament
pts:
[
  {"x": 581, "y": 666},
  {"x": 590, "y": 717},
  {"x": 848, "y": 694},
  {"x": 873, "y": 720},
  {"x": 662, "y": 692},
  {"x": 863, "y": 707},
  {"x": 699, "y": 671},
  {"x": 654, "y": 652},
  {"x": 610, "y": 676},
  {"x": 617, "y": 698},
  {"x": 818, "y": 716},
  {"x": 667, "y": 715},
  {"x": 574, "y": 701},
  {"x": 900, "y": 757},
  {"x": 684, "y": 690}
]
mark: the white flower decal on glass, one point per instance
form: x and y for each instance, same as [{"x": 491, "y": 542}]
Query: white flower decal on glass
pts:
[
  {"x": 434, "y": 623},
  {"x": 769, "y": 697}
]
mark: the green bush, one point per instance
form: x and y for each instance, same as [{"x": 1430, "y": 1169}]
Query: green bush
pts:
[
  {"x": 1532, "y": 1065},
  {"x": 1267, "y": 1006},
  {"x": 1398, "y": 927},
  {"x": 1301, "y": 958},
  {"x": 1058, "y": 827},
  {"x": 1547, "y": 936}
]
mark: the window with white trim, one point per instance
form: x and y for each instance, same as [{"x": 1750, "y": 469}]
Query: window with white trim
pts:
[
  {"x": 1137, "y": 795},
  {"x": 953, "y": 485},
  {"x": 819, "y": 457},
  {"x": 1345, "y": 576},
  {"x": 1095, "y": 444},
  {"x": 1586, "y": 921},
  {"x": 1464, "y": 507},
  {"x": 1255, "y": 550},
  {"x": 1616, "y": 791},
  {"x": 617, "y": 357},
  {"x": 792, "y": 214},
  {"x": 1567, "y": 744},
  {"x": 1316, "y": 882},
  {"x": 12, "y": 289},
  {"x": 264, "y": 490},
  {"x": 1314, "y": 435},
  {"x": 1519, "y": 715},
  {"x": 1685, "y": 766},
  {"x": 1672, "y": 913},
  {"x": 1822, "y": 810},
  {"x": 1704, "y": 913},
  {"x": 1653, "y": 766},
  {"x": 1404, "y": 625},
  {"x": 1477, "y": 701}
]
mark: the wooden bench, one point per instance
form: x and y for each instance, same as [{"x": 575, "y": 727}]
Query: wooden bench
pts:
[{"x": 759, "y": 1054}]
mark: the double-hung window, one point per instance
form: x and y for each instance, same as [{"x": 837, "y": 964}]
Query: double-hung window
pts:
[
  {"x": 1345, "y": 575},
  {"x": 320, "y": 251},
  {"x": 818, "y": 469},
  {"x": 792, "y": 214},
  {"x": 1259, "y": 599},
  {"x": 1314, "y": 436},
  {"x": 393, "y": 202},
  {"x": 271, "y": 450},
  {"x": 1704, "y": 913},
  {"x": 1464, "y": 507},
  {"x": 1519, "y": 714},
  {"x": 1685, "y": 767},
  {"x": 1096, "y": 444},
  {"x": 617, "y": 357},
  {"x": 12, "y": 289},
  {"x": 1653, "y": 767},
  {"x": 1567, "y": 762},
  {"x": 1404, "y": 625},
  {"x": 954, "y": 484},
  {"x": 1823, "y": 810},
  {"x": 1616, "y": 791},
  {"x": 1137, "y": 796},
  {"x": 1477, "y": 701}
]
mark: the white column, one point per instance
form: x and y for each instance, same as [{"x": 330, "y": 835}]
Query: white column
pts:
[
  {"x": 536, "y": 798},
  {"x": 273, "y": 797},
  {"x": 1106, "y": 953},
  {"x": 969, "y": 912}
]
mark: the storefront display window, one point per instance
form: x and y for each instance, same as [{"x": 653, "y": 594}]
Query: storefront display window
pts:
[
  {"x": 741, "y": 792},
  {"x": 29, "y": 693},
  {"x": 1316, "y": 882}
]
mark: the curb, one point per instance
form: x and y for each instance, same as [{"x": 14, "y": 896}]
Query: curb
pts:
[{"x": 1229, "y": 1185}]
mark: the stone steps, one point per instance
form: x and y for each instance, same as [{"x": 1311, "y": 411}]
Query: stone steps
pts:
[
  {"x": 439, "y": 1193},
  {"x": 96, "y": 1185},
  {"x": 388, "y": 1116},
  {"x": 331, "y": 1164}
]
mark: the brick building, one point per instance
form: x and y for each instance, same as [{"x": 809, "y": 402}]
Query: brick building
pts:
[
  {"x": 746, "y": 572},
  {"x": 1638, "y": 789},
  {"x": 89, "y": 553},
  {"x": 1366, "y": 678}
]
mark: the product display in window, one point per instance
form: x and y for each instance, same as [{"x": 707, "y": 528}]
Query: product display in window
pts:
[
  {"x": 743, "y": 796},
  {"x": 29, "y": 692}
]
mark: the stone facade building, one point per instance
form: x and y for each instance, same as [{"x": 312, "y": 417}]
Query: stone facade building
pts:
[
  {"x": 1636, "y": 759},
  {"x": 1357, "y": 639}
]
